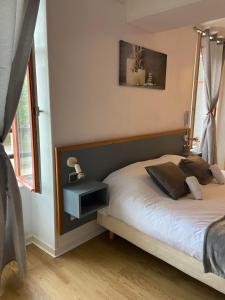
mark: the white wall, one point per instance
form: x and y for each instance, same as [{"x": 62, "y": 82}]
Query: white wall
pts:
[
  {"x": 43, "y": 204},
  {"x": 87, "y": 102},
  {"x": 27, "y": 212}
]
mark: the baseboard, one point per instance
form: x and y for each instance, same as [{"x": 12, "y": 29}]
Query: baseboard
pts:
[
  {"x": 78, "y": 237},
  {"x": 41, "y": 245},
  {"x": 28, "y": 240},
  {"x": 74, "y": 239}
]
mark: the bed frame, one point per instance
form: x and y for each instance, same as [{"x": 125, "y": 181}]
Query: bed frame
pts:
[
  {"x": 97, "y": 160},
  {"x": 175, "y": 258}
]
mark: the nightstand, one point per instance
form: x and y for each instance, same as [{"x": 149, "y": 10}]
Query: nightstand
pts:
[{"x": 84, "y": 198}]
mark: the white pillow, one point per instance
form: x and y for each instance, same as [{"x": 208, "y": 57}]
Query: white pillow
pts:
[
  {"x": 217, "y": 174},
  {"x": 194, "y": 187}
]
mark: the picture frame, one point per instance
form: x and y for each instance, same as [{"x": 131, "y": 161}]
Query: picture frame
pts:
[{"x": 141, "y": 67}]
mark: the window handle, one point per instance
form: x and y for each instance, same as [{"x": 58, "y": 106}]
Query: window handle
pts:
[{"x": 38, "y": 111}]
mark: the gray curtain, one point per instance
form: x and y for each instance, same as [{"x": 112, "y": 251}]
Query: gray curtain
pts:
[
  {"x": 212, "y": 56},
  {"x": 17, "y": 23}
]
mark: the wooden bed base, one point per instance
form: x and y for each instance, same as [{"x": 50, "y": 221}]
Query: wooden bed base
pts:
[{"x": 177, "y": 259}]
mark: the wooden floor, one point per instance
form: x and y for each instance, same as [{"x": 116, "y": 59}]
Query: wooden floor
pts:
[{"x": 103, "y": 269}]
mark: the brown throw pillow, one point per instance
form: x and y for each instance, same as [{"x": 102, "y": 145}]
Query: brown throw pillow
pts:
[
  {"x": 194, "y": 165},
  {"x": 170, "y": 178}
]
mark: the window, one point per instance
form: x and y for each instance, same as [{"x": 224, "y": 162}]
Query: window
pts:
[{"x": 21, "y": 143}]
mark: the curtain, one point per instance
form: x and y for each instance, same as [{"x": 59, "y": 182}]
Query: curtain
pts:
[
  {"x": 17, "y": 23},
  {"x": 220, "y": 121},
  {"x": 212, "y": 56}
]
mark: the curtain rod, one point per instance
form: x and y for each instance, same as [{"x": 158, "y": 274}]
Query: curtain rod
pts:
[
  {"x": 200, "y": 31},
  {"x": 212, "y": 37}
]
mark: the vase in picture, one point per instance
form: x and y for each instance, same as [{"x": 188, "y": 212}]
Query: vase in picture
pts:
[
  {"x": 141, "y": 77},
  {"x": 133, "y": 78},
  {"x": 131, "y": 75}
]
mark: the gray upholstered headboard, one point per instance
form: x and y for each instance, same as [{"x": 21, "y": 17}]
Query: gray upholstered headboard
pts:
[{"x": 101, "y": 158}]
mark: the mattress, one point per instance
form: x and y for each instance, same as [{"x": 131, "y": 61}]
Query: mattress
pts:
[{"x": 137, "y": 201}]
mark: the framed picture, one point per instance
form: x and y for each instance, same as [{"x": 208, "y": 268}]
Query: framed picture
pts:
[{"x": 141, "y": 67}]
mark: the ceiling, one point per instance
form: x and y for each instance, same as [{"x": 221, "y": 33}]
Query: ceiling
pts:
[
  {"x": 215, "y": 26},
  {"x": 162, "y": 15}
]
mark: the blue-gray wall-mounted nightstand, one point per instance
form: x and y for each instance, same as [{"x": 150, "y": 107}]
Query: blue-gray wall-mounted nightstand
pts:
[{"x": 84, "y": 198}]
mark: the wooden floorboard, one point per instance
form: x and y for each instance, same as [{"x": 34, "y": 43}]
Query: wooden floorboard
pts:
[{"x": 102, "y": 269}]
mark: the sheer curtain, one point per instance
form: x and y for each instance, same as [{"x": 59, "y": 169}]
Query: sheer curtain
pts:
[
  {"x": 17, "y": 23},
  {"x": 220, "y": 121},
  {"x": 212, "y": 56}
]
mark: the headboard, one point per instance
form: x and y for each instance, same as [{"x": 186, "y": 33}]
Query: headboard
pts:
[{"x": 99, "y": 159}]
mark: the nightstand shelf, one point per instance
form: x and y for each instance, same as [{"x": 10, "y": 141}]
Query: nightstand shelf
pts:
[{"x": 84, "y": 198}]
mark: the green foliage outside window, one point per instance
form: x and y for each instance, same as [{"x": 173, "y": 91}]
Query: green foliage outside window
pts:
[{"x": 23, "y": 108}]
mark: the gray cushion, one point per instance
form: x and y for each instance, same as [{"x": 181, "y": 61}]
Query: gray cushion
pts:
[
  {"x": 194, "y": 165},
  {"x": 170, "y": 178}
]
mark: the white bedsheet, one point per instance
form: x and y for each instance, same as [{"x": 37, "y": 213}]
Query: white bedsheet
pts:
[{"x": 137, "y": 201}]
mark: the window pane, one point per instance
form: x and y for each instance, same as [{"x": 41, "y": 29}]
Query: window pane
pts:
[
  {"x": 21, "y": 143},
  {"x": 201, "y": 111},
  {"x": 24, "y": 133}
]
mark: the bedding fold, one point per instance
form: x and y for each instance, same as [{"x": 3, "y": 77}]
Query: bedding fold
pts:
[{"x": 214, "y": 248}]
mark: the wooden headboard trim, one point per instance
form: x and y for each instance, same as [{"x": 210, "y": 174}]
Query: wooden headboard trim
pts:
[{"x": 58, "y": 156}]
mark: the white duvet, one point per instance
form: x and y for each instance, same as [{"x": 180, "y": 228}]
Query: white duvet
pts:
[{"x": 137, "y": 201}]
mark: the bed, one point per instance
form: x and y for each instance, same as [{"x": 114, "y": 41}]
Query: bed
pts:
[
  {"x": 171, "y": 230},
  {"x": 101, "y": 158}
]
